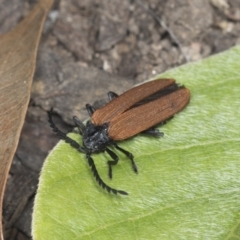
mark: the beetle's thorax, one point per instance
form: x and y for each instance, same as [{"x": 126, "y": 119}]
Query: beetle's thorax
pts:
[{"x": 95, "y": 138}]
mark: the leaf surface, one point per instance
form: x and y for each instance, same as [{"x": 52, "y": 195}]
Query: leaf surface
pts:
[{"x": 188, "y": 186}]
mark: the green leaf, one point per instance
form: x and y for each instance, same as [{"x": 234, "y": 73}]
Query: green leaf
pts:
[{"x": 188, "y": 186}]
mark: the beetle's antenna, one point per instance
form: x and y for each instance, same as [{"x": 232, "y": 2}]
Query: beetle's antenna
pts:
[
  {"x": 61, "y": 134},
  {"x": 100, "y": 181}
]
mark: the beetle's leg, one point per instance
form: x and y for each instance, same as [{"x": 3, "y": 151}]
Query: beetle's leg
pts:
[
  {"x": 112, "y": 95},
  {"x": 153, "y": 132},
  {"x": 79, "y": 125},
  {"x": 62, "y": 135},
  {"x": 111, "y": 163},
  {"x": 90, "y": 109},
  {"x": 99, "y": 180},
  {"x": 129, "y": 155},
  {"x": 166, "y": 121}
]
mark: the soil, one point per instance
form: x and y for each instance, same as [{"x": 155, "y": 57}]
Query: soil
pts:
[{"x": 90, "y": 47}]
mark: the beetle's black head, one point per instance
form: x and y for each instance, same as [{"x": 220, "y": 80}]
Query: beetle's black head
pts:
[{"x": 95, "y": 138}]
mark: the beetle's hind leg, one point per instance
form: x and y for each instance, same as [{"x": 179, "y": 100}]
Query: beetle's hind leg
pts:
[
  {"x": 129, "y": 155},
  {"x": 114, "y": 161},
  {"x": 99, "y": 180},
  {"x": 154, "y": 132}
]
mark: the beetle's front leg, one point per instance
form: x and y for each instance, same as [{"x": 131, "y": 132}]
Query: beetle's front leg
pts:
[
  {"x": 79, "y": 124},
  {"x": 114, "y": 161},
  {"x": 99, "y": 180}
]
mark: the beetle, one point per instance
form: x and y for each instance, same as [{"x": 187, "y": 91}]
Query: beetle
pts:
[{"x": 137, "y": 110}]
